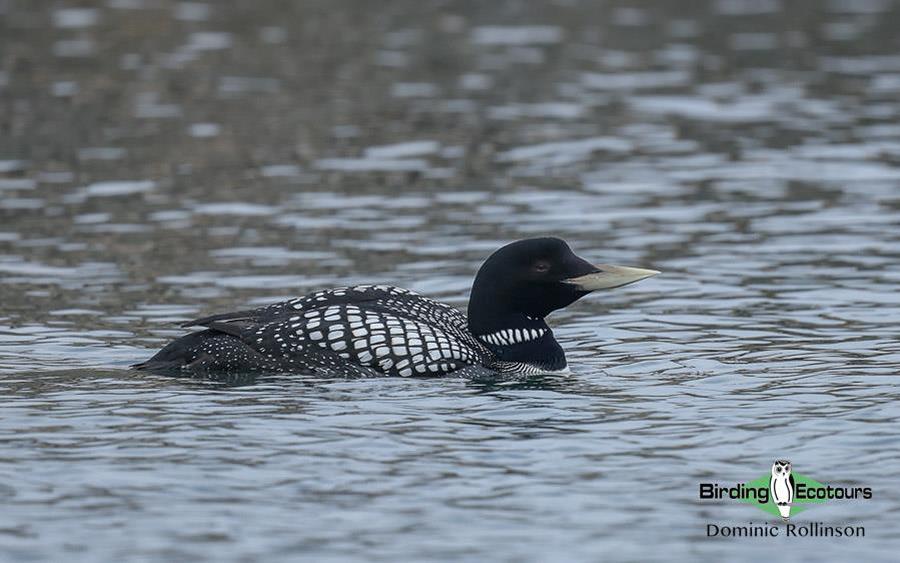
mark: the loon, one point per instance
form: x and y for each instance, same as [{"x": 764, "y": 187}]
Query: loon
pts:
[{"x": 381, "y": 330}]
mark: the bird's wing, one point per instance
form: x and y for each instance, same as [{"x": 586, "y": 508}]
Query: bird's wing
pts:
[
  {"x": 389, "y": 329},
  {"x": 276, "y": 311},
  {"x": 381, "y": 340}
]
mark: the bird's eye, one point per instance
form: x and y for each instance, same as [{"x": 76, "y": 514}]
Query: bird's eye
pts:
[{"x": 542, "y": 267}]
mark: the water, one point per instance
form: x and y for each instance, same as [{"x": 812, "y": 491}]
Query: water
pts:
[{"x": 162, "y": 160}]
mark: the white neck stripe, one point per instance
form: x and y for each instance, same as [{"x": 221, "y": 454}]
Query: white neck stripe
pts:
[{"x": 510, "y": 336}]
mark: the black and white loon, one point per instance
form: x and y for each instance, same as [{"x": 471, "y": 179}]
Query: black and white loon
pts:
[{"x": 380, "y": 330}]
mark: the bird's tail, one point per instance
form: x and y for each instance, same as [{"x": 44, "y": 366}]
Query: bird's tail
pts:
[{"x": 177, "y": 354}]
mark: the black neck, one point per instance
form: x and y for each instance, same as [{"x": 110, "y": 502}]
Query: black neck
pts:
[
  {"x": 510, "y": 337},
  {"x": 544, "y": 352}
]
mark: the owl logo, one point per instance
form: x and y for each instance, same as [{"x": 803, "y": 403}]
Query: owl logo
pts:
[{"x": 781, "y": 485}]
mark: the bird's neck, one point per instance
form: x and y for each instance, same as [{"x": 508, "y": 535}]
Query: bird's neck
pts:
[{"x": 517, "y": 338}]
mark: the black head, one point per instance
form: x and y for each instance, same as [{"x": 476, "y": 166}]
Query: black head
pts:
[{"x": 531, "y": 278}]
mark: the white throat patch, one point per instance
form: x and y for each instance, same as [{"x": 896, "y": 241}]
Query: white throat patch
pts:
[{"x": 509, "y": 336}]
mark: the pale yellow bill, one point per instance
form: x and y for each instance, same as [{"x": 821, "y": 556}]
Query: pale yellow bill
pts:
[{"x": 611, "y": 276}]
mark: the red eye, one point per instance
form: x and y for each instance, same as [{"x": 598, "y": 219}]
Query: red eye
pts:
[{"x": 541, "y": 267}]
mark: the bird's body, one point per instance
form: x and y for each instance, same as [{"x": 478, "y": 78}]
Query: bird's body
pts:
[
  {"x": 380, "y": 330},
  {"x": 362, "y": 330}
]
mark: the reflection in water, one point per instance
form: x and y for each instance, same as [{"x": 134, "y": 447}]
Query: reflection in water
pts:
[{"x": 162, "y": 160}]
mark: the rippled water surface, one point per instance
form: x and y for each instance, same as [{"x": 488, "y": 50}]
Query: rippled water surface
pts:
[{"x": 161, "y": 160}]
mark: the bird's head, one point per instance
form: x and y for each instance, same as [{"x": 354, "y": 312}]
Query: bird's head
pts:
[{"x": 534, "y": 277}]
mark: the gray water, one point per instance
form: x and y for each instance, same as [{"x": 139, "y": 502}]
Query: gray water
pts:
[{"x": 163, "y": 160}]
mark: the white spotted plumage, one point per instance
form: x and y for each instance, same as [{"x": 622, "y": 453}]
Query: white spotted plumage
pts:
[{"x": 379, "y": 330}]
